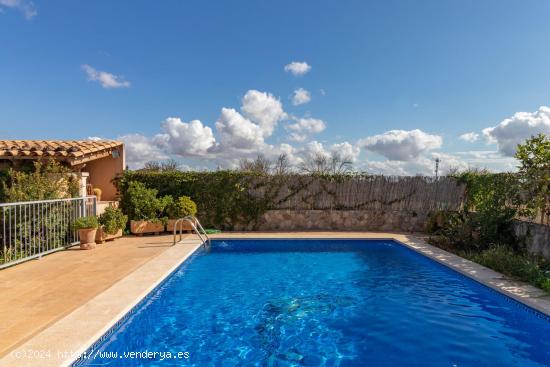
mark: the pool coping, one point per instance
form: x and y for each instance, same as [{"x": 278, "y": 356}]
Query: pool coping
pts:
[
  {"x": 65, "y": 341},
  {"x": 76, "y": 333}
]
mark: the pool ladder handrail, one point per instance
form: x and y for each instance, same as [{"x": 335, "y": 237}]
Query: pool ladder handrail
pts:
[{"x": 194, "y": 224}]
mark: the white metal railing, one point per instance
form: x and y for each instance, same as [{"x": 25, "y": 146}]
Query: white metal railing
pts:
[
  {"x": 194, "y": 224},
  {"x": 31, "y": 229}
]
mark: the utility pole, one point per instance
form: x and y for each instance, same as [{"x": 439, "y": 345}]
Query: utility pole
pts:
[{"x": 437, "y": 168}]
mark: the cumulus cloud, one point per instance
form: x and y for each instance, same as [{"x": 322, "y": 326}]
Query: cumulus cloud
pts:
[
  {"x": 309, "y": 125},
  {"x": 185, "y": 139},
  {"x": 263, "y": 109},
  {"x": 298, "y": 68},
  {"x": 304, "y": 127},
  {"x": 26, "y": 7},
  {"x": 346, "y": 150},
  {"x": 107, "y": 80},
  {"x": 516, "y": 129},
  {"x": 300, "y": 96},
  {"x": 140, "y": 149},
  {"x": 491, "y": 160},
  {"x": 402, "y": 145},
  {"x": 469, "y": 137},
  {"x": 237, "y": 132}
]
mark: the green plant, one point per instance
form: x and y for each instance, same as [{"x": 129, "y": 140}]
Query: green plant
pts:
[
  {"x": 223, "y": 197},
  {"x": 89, "y": 222},
  {"x": 182, "y": 207},
  {"x": 521, "y": 267},
  {"x": 48, "y": 181},
  {"x": 492, "y": 202},
  {"x": 142, "y": 203},
  {"x": 97, "y": 192},
  {"x": 534, "y": 170},
  {"x": 112, "y": 219}
]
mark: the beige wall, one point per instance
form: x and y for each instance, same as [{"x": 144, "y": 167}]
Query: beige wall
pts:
[{"x": 102, "y": 171}]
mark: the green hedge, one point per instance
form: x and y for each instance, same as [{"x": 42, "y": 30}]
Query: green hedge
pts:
[{"x": 222, "y": 197}]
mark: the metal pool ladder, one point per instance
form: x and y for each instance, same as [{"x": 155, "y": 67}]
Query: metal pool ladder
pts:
[{"x": 197, "y": 228}]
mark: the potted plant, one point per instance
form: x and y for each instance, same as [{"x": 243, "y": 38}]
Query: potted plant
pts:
[
  {"x": 112, "y": 222},
  {"x": 180, "y": 208},
  {"x": 97, "y": 193},
  {"x": 87, "y": 228},
  {"x": 145, "y": 209}
]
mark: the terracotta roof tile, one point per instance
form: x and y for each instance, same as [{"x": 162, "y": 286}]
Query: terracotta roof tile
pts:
[{"x": 66, "y": 149}]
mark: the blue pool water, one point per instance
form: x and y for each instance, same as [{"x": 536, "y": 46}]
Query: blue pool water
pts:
[{"x": 325, "y": 303}]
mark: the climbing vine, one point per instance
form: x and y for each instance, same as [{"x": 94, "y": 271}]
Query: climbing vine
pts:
[{"x": 229, "y": 199}]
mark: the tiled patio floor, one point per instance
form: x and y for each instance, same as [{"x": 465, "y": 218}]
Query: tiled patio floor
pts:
[{"x": 37, "y": 293}]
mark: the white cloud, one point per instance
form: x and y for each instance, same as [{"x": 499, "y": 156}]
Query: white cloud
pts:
[
  {"x": 26, "y": 7},
  {"x": 309, "y": 125},
  {"x": 185, "y": 139},
  {"x": 469, "y": 137},
  {"x": 304, "y": 127},
  {"x": 401, "y": 145},
  {"x": 237, "y": 132},
  {"x": 263, "y": 109},
  {"x": 516, "y": 129},
  {"x": 140, "y": 149},
  {"x": 301, "y": 96},
  {"x": 491, "y": 160},
  {"x": 298, "y": 68},
  {"x": 107, "y": 80},
  {"x": 346, "y": 150}
]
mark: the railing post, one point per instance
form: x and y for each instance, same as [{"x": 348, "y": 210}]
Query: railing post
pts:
[{"x": 31, "y": 229}]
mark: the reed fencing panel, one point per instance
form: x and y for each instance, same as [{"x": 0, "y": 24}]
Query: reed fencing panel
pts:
[{"x": 376, "y": 193}]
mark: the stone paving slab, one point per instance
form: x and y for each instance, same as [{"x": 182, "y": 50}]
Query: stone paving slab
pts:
[{"x": 69, "y": 299}]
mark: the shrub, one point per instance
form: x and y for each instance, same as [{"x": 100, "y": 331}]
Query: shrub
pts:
[
  {"x": 534, "y": 157},
  {"x": 491, "y": 204},
  {"x": 90, "y": 222},
  {"x": 47, "y": 181},
  {"x": 112, "y": 220},
  {"x": 182, "y": 207},
  {"x": 141, "y": 203},
  {"x": 97, "y": 193},
  {"x": 521, "y": 267},
  {"x": 222, "y": 197}
]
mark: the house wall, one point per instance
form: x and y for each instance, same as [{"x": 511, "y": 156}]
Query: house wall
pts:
[{"x": 102, "y": 171}]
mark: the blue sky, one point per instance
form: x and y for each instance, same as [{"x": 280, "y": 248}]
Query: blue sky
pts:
[{"x": 393, "y": 84}]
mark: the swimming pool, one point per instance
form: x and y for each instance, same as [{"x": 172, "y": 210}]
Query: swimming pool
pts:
[{"x": 323, "y": 303}]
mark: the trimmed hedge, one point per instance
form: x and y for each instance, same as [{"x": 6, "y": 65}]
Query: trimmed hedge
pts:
[{"x": 222, "y": 197}]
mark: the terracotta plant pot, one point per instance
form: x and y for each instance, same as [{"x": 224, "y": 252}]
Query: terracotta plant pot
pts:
[
  {"x": 87, "y": 238},
  {"x": 185, "y": 225},
  {"x": 144, "y": 226},
  {"x": 103, "y": 236}
]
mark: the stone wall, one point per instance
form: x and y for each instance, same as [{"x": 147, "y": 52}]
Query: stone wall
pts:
[
  {"x": 537, "y": 237},
  {"x": 346, "y": 220}
]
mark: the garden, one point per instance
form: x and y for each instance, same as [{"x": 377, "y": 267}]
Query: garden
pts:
[{"x": 473, "y": 213}]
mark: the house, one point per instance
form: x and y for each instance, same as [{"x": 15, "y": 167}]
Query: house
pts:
[{"x": 97, "y": 162}]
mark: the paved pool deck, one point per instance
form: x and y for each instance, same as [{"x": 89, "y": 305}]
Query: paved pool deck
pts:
[{"x": 53, "y": 309}]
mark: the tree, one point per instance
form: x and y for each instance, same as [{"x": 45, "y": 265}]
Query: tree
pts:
[
  {"x": 323, "y": 164},
  {"x": 259, "y": 165},
  {"x": 282, "y": 165},
  {"x": 534, "y": 170},
  {"x": 161, "y": 166}
]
